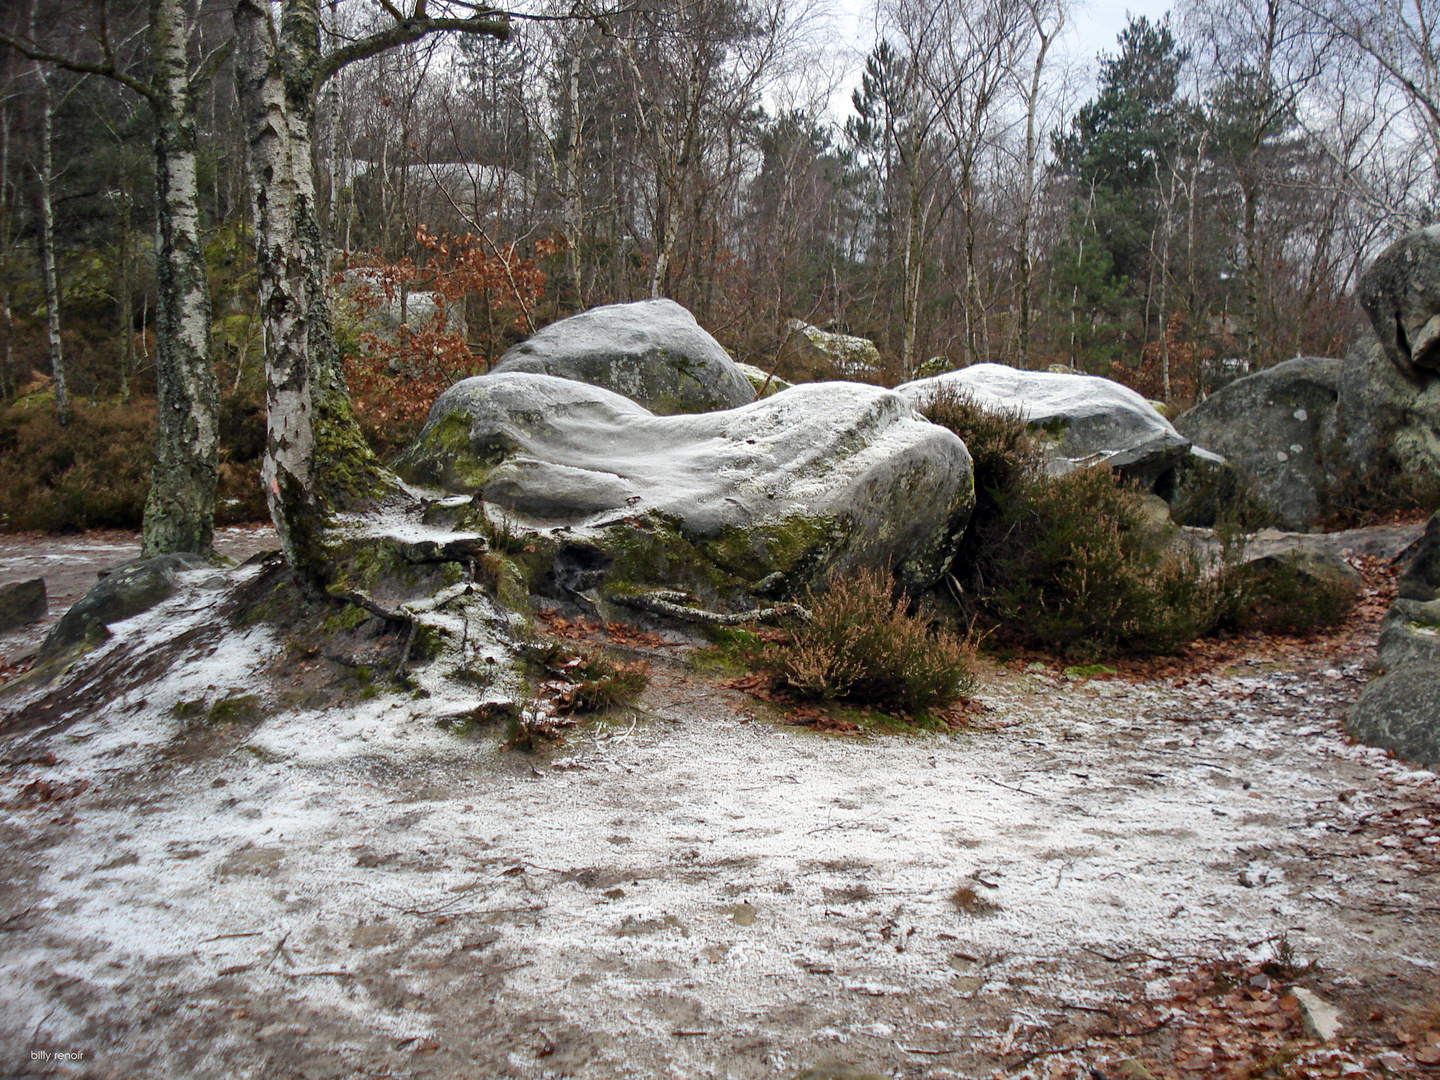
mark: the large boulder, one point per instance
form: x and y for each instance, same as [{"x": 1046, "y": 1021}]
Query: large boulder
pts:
[
  {"x": 1387, "y": 419},
  {"x": 1275, "y": 426},
  {"x": 1400, "y": 711},
  {"x": 1084, "y": 419},
  {"x": 771, "y": 496},
  {"x": 1400, "y": 291},
  {"x": 653, "y": 352}
]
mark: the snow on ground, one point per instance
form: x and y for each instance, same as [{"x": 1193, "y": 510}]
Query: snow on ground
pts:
[{"x": 694, "y": 890}]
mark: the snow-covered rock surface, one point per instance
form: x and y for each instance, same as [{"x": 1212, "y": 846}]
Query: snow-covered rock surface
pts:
[
  {"x": 693, "y": 891},
  {"x": 651, "y": 351},
  {"x": 1087, "y": 420},
  {"x": 820, "y": 476}
]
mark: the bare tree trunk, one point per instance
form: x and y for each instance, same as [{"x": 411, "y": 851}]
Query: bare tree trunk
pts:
[
  {"x": 913, "y": 269},
  {"x": 44, "y": 173},
  {"x": 572, "y": 168},
  {"x": 180, "y": 512},
  {"x": 6, "y": 371},
  {"x": 126, "y": 289},
  {"x": 1252, "y": 282},
  {"x": 1032, "y": 155}
]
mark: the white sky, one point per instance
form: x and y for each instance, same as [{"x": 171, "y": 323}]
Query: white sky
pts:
[{"x": 1093, "y": 26}]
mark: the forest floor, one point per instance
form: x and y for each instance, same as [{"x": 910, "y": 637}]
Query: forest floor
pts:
[{"x": 1168, "y": 871}]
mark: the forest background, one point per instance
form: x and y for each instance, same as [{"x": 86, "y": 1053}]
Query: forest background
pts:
[{"x": 1200, "y": 210}]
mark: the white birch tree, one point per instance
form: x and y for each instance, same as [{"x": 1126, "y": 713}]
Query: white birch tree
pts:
[{"x": 318, "y": 466}]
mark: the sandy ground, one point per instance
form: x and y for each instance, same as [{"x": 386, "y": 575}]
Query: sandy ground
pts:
[{"x": 692, "y": 888}]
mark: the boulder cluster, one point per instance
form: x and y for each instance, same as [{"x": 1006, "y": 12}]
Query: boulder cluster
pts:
[
  {"x": 643, "y": 460},
  {"x": 629, "y": 437}
]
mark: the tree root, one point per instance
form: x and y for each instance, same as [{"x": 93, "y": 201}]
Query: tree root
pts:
[{"x": 671, "y": 603}]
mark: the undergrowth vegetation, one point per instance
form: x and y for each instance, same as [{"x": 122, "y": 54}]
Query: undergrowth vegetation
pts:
[
  {"x": 95, "y": 472},
  {"x": 863, "y": 645},
  {"x": 572, "y": 684},
  {"x": 1076, "y": 563}
]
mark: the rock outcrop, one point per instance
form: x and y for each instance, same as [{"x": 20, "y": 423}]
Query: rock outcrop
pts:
[
  {"x": 1386, "y": 420},
  {"x": 1395, "y": 410},
  {"x": 1400, "y": 291},
  {"x": 1274, "y": 426},
  {"x": 1084, "y": 419},
  {"x": 122, "y": 592},
  {"x": 767, "y": 498},
  {"x": 652, "y": 351}
]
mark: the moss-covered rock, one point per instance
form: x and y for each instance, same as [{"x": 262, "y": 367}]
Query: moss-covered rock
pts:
[{"x": 817, "y": 478}]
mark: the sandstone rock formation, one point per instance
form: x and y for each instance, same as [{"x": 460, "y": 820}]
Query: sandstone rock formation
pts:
[
  {"x": 652, "y": 351},
  {"x": 770, "y": 497},
  {"x": 1275, "y": 426}
]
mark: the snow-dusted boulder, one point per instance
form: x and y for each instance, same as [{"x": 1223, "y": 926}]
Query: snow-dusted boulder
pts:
[
  {"x": 1086, "y": 420},
  {"x": 123, "y": 592},
  {"x": 1275, "y": 426},
  {"x": 653, "y": 352},
  {"x": 819, "y": 477}
]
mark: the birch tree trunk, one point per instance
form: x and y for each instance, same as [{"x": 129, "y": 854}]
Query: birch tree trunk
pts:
[
  {"x": 1032, "y": 156},
  {"x": 307, "y": 409},
  {"x": 44, "y": 170},
  {"x": 180, "y": 511},
  {"x": 318, "y": 466}
]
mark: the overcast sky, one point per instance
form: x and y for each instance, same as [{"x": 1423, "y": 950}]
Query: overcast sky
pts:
[{"x": 1093, "y": 28}]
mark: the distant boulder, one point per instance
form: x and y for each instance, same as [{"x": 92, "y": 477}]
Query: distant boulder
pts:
[
  {"x": 766, "y": 383},
  {"x": 768, "y": 497},
  {"x": 22, "y": 603},
  {"x": 653, "y": 352},
  {"x": 1084, "y": 419},
  {"x": 828, "y": 354},
  {"x": 1274, "y": 426}
]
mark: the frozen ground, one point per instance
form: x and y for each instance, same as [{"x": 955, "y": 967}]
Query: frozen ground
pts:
[{"x": 694, "y": 889}]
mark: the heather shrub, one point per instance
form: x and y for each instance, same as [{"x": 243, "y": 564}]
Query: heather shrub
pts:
[
  {"x": 1083, "y": 572},
  {"x": 1285, "y": 595},
  {"x": 1005, "y": 456},
  {"x": 862, "y": 645}
]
